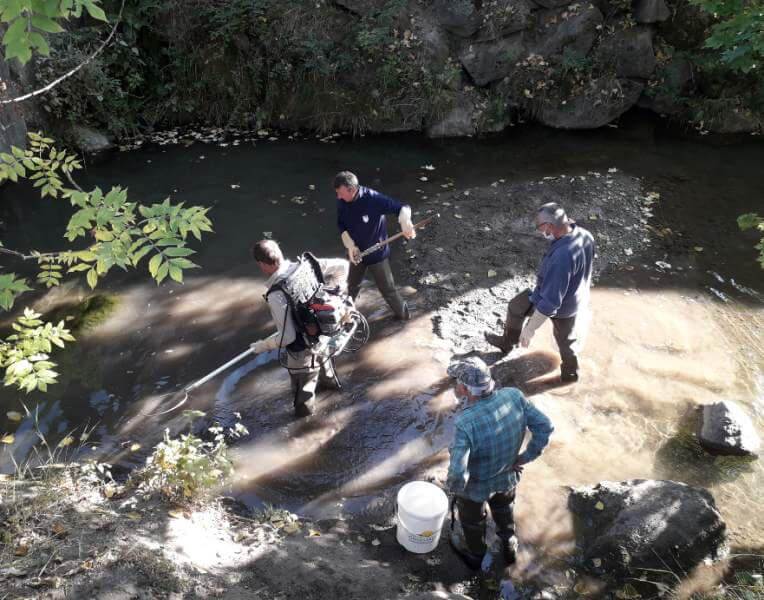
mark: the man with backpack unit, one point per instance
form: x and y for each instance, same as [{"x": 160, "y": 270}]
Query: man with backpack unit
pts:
[{"x": 306, "y": 311}]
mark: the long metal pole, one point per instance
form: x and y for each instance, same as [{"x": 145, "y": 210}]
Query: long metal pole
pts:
[{"x": 219, "y": 370}]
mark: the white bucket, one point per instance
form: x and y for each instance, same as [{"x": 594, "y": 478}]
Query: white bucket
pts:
[{"x": 422, "y": 508}]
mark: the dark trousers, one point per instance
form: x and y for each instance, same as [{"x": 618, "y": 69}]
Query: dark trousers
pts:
[
  {"x": 472, "y": 516},
  {"x": 519, "y": 308},
  {"x": 383, "y": 277},
  {"x": 306, "y": 371}
]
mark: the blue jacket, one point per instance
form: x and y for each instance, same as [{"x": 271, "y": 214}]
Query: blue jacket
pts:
[
  {"x": 364, "y": 220},
  {"x": 565, "y": 275},
  {"x": 487, "y": 443}
]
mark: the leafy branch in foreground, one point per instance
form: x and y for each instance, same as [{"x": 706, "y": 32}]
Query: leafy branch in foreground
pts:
[
  {"x": 25, "y": 354},
  {"x": 109, "y": 230},
  {"x": 29, "y": 20},
  {"x": 754, "y": 221}
]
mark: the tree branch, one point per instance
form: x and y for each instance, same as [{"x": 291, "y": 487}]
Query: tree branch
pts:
[{"x": 65, "y": 76}]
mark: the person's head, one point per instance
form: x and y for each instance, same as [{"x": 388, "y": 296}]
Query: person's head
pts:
[
  {"x": 346, "y": 185},
  {"x": 551, "y": 221},
  {"x": 267, "y": 255},
  {"x": 473, "y": 379}
]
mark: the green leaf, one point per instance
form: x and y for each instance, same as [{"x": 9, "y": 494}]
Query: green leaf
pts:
[
  {"x": 180, "y": 251},
  {"x": 46, "y": 24},
  {"x": 94, "y": 10},
  {"x": 162, "y": 272},
  {"x": 92, "y": 278},
  {"x": 154, "y": 263},
  {"x": 176, "y": 274}
]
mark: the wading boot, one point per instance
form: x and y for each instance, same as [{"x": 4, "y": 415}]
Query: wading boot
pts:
[
  {"x": 459, "y": 544},
  {"x": 509, "y": 550},
  {"x": 498, "y": 341}
]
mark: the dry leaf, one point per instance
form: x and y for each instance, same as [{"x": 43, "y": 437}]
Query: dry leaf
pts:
[
  {"x": 491, "y": 273},
  {"x": 14, "y": 416},
  {"x": 59, "y": 530},
  {"x": 135, "y": 447},
  {"x": 314, "y": 533},
  {"x": 21, "y": 550},
  {"x": 291, "y": 528},
  {"x": 8, "y": 438},
  {"x": 176, "y": 513},
  {"x": 109, "y": 491},
  {"x": 375, "y": 542},
  {"x": 134, "y": 516},
  {"x": 597, "y": 563},
  {"x": 599, "y": 506},
  {"x": 67, "y": 441}
]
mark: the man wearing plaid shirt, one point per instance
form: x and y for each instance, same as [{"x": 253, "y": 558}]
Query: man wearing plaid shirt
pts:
[{"x": 485, "y": 456}]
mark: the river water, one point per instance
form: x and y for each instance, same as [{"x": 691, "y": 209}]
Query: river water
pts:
[{"x": 661, "y": 339}]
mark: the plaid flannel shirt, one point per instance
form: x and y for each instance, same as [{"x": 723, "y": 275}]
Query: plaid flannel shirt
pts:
[{"x": 487, "y": 442}]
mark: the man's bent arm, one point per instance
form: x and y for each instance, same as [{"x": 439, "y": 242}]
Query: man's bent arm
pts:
[{"x": 541, "y": 428}]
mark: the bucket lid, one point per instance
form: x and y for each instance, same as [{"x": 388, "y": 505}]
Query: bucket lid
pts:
[{"x": 423, "y": 500}]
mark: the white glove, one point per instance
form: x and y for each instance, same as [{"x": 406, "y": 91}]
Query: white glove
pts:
[
  {"x": 354, "y": 253},
  {"x": 404, "y": 220},
  {"x": 265, "y": 345},
  {"x": 536, "y": 320}
]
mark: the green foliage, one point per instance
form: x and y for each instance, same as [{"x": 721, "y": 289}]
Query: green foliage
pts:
[
  {"x": 115, "y": 232},
  {"x": 738, "y": 34},
  {"x": 187, "y": 467},
  {"x": 25, "y": 354},
  {"x": 754, "y": 221},
  {"x": 29, "y": 20}
]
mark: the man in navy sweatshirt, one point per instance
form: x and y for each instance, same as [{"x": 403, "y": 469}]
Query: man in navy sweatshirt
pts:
[
  {"x": 361, "y": 220},
  {"x": 561, "y": 293}
]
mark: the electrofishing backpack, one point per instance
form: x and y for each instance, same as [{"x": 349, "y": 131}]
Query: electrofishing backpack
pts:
[{"x": 317, "y": 309}]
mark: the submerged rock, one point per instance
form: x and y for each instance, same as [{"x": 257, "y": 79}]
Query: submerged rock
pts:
[
  {"x": 458, "y": 121},
  {"x": 727, "y": 429},
  {"x": 89, "y": 140},
  {"x": 626, "y": 526}
]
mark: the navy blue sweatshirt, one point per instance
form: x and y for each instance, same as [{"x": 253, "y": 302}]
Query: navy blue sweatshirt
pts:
[
  {"x": 364, "y": 219},
  {"x": 565, "y": 275}
]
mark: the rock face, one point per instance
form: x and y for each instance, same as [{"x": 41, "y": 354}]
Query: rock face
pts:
[
  {"x": 490, "y": 61},
  {"x": 727, "y": 429},
  {"x": 674, "y": 81},
  {"x": 89, "y": 140},
  {"x": 458, "y": 17},
  {"x": 645, "y": 524},
  {"x": 560, "y": 30},
  {"x": 629, "y": 52},
  {"x": 601, "y": 102},
  {"x": 650, "y": 11},
  {"x": 13, "y": 129}
]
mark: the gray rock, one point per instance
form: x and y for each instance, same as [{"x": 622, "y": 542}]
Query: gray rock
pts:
[
  {"x": 629, "y": 52},
  {"x": 458, "y": 17},
  {"x": 503, "y": 18},
  {"x": 89, "y": 140},
  {"x": 434, "y": 42},
  {"x": 603, "y": 101},
  {"x": 645, "y": 524},
  {"x": 360, "y": 7},
  {"x": 560, "y": 29},
  {"x": 674, "y": 82},
  {"x": 727, "y": 429},
  {"x": 650, "y": 11},
  {"x": 13, "y": 128},
  {"x": 490, "y": 61},
  {"x": 434, "y": 596},
  {"x": 459, "y": 121}
]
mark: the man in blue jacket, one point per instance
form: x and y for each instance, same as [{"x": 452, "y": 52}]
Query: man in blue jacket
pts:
[
  {"x": 561, "y": 293},
  {"x": 361, "y": 220},
  {"x": 486, "y": 457}
]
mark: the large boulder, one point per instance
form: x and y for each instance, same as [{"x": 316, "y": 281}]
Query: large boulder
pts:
[
  {"x": 458, "y": 17},
  {"x": 645, "y": 524},
  {"x": 558, "y": 30},
  {"x": 650, "y": 11},
  {"x": 734, "y": 120},
  {"x": 490, "y": 61},
  {"x": 727, "y": 429},
  {"x": 628, "y": 52},
  {"x": 603, "y": 101}
]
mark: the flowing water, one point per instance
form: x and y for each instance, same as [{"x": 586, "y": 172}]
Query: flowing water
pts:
[{"x": 660, "y": 341}]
